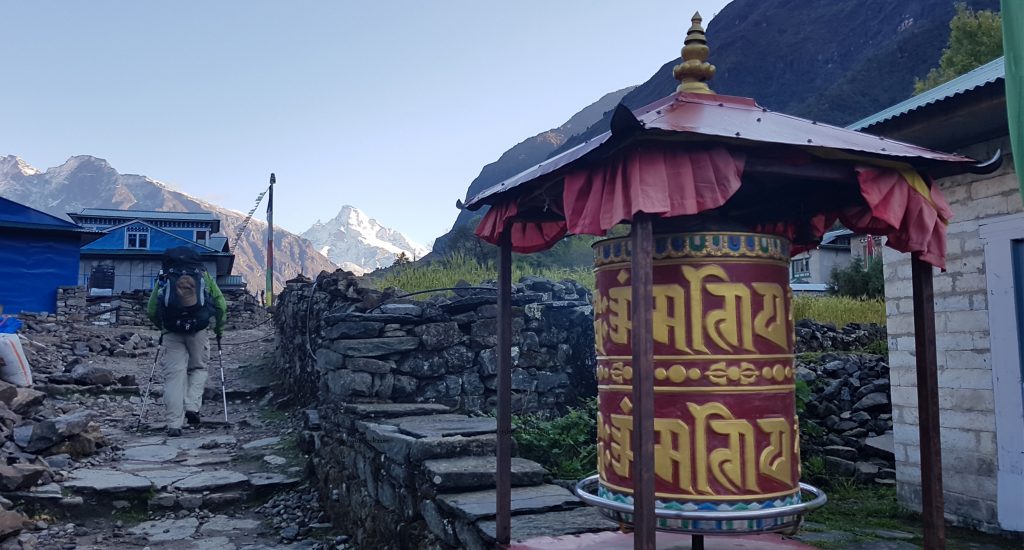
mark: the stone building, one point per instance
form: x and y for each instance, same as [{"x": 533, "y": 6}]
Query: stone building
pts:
[{"x": 977, "y": 300}]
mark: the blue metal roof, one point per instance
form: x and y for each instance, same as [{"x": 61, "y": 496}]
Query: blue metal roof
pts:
[
  {"x": 986, "y": 74},
  {"x": 144, "y": 214},
  {"x": 15, "y": 215},
  {"x": 159, "y": 241}
]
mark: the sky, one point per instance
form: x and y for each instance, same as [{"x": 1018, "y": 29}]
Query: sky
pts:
[{"x": 390, "y": 106}]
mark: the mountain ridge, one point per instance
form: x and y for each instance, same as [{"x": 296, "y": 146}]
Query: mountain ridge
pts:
[
  {"x": 85, "y": 181},
  {"x": 359, "y": 243},
  {"x": 833, "y": 62}
]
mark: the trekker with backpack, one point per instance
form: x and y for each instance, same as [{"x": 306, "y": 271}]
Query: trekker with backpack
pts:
[{"x": 185, "y": 302}]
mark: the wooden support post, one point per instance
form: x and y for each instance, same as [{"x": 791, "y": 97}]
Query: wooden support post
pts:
[
  {"x": 504, "y": 462},
  {"x": 928, "y": 406},
  {"x": 642, "y": 282}
]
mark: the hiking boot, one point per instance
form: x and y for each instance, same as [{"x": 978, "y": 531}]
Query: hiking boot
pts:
[
  {"x": 192, "y": 418},
  {"x": 173, "y": 432}
]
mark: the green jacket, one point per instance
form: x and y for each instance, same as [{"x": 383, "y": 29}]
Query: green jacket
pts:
[{"x": 152, "y": 311}]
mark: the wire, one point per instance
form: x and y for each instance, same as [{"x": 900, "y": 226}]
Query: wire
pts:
[{"x": 432, "y": 290}]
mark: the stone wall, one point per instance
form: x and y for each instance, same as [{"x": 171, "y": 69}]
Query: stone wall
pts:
[
  {"x": 967, "y": 416},
  {"x": 399, "y": 446},
  {"x": 417, "y": 476},
  {"x": 128, "y": 309},
  {"x": 355, "y": 344}
]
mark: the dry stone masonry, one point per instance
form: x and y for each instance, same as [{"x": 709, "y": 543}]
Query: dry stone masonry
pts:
[
  {"x": 400, "y": 447},
  {"x": 128, "y": 309},
  {"x": 356, "y": 344}
]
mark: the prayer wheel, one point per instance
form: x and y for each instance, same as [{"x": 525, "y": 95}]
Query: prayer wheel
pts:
[{"x": 726, "y": 431}]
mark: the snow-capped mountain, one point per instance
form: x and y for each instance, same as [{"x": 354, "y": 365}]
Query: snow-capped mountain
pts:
[
  {"x": 359, "y": 243},
  {"x": 89, "y": 182}
]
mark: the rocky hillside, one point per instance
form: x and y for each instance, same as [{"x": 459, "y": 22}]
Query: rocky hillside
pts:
[
  {"x": 90, "y": 182},
  {"x": 834, "y": 61},
  {"x": 358, "y": 243},
  {"x": 531, "y": 151}
]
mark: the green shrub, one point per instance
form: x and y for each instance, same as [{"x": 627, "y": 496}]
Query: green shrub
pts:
[
  {"x": 859, "y": 279},
  {"x": 566, "y": 445},
  {"x": 838, "y": 310}
]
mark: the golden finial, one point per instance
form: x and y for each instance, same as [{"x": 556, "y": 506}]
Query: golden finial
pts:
[{"x": 694, "y": 72}]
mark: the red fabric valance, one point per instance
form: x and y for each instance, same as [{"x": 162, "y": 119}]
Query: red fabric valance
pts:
[
  {"x": 912, "y": 214},
  {"x": 527, "y": 237},
  {"x": 666, "y": 180},
  {"x": 654, "y": 178}
]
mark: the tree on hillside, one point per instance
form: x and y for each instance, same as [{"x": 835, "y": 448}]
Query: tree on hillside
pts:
[
  {"x": 402, "y": 259},
  {"x": 975, "y": 38}
]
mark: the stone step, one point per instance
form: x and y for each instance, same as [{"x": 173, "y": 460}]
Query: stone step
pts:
[
  {"x": 478, "y": 472},
  {"x": 444, "y": 425},
  {"x": 477, "y": 505},
  {"x": 394, "y": 410},
  {"x": 142, "y": 486},
  {"x": 552, "y": 524}
]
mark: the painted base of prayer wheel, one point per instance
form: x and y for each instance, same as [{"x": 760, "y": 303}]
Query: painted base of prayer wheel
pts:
[{"x": 726, "y": 431}]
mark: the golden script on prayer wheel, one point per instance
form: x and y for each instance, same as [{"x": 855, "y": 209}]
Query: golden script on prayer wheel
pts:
[{"x": 726, "y": 431}]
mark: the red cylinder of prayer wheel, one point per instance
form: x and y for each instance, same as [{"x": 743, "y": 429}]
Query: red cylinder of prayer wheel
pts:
[{"x": 726, "y": 432}]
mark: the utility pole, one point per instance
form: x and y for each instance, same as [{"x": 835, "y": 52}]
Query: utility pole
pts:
[{"x": 270, "y": 243}]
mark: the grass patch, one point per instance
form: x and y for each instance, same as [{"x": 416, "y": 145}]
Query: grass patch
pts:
[
  {"x": 130, "y": 515},
  {"x": 270, "y": 414},
  {"x": 858, "y": 510},
  {"x": 566, "y": 445},
  {"x": 838, "y": 310},
  {"x": 448, "y": 271}
]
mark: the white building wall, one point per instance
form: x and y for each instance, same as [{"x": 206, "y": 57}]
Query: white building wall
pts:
[{"x": 967, "y": 415}]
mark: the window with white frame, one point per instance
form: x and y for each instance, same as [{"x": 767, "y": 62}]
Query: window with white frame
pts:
[
  {"x": 137, "y": 238},
  {"x": 800, "y": 266},
  {"x": 202, "y": 235}
]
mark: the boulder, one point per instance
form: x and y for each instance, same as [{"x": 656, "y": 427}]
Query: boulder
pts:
[
  {"x": 39, "y": 436},
  {"x": 90, "y": 375},
  {"x": 12, "y": 523},
  {"x": 8, "y": 392},
  {"x": 20, "y": 476},
  {"x": 436, "y": 336},
  {"x": 26, "y": 400},
  {"x": 873, "y": 401}
]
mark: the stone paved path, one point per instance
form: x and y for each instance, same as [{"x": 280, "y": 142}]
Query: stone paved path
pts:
[{"x": 225, "y": 486}]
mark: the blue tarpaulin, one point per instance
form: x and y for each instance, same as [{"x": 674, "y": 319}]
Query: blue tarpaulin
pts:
[{"x": 38, "y": 253}]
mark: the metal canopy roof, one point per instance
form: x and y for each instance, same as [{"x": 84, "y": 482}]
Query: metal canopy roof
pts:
[{"x": 730, "y": 119}]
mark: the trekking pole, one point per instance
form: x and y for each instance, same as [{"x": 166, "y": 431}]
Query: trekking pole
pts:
[
  {"x": 149, "y": 385},
  {"x": 223, "y": 387}
]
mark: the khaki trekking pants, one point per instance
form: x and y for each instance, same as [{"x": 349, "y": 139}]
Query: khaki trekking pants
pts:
[{"x": 184, "y": 368}]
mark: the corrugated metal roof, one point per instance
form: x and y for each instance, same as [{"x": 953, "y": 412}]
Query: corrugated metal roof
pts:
[
  {"x": 17, "y": 215},
  {"x": 145, "y": 214},
  {"x": 723, "y": 118},
  {"x": 218, "y": 243},
  {"x": 986, "y": 74},
  {"x": 830, "y": 236}
]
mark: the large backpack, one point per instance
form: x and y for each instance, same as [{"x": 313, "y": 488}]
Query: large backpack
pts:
[{"x": 184, "y": 302}]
